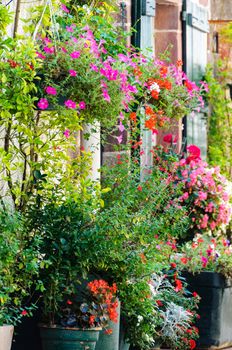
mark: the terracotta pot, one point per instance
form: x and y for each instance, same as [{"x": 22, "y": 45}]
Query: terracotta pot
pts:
[{"x": 6, "y": 336}]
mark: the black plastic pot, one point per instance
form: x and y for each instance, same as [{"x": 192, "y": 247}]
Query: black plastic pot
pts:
[{"x": 215, "y": 310}]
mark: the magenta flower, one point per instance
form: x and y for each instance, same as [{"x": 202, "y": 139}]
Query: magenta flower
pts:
[
  {"x": 49, "y": 50},
  {"x": 69, "y": 29},
  {"x": 82, "y": 105},
  {"x": 73, "y": 73},
  {"x": 94, "y": 67},
  {"x": 64, "y": 8},
  {"x": 50, "y": 90},
  {"x": 67, "y": 133},
  {"x": 70, "y": 104},
  {"x": 204, "y": 261},
  {"x": 105, "y": 95},
  {"x": 40, "y": 55},
  {"x": 75, "y": 54},
  {"x": 43, "y": 103}
]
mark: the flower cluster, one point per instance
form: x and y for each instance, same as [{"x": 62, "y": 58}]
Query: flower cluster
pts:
[
  {"x": 165, "y": 93},
  {"x": 99, "y": 308},
  {"x": 206, "y": 253},
  {"x": 205, "y": 192},
  {"x": 77, "y": 73}
]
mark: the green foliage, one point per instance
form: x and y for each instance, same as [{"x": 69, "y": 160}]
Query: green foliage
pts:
[
  {"x": 20, "y": 261},
  {"x": 220, "y": 126},
  {"x": 5, "y": 19},
  {"x": 65, "y": 245}
]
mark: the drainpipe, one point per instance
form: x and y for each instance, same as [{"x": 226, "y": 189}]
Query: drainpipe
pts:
[
  {"x": 136, "y": 14},
  {"x": 16, "y": 19},
  {"x": 184, "y": 59}
]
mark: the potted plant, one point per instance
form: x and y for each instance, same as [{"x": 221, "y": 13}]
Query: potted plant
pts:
[
  {"x": 70, "y": 312},
  {"x": 207, "y": 265},
  {"x": 82, "y": 317},
  {"x": 19, "y": 266}
]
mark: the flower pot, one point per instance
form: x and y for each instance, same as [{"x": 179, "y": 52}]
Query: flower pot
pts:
[
  {"x": 6, "y": 335},
  {"x": 215, "y": 308},
  {"x": 60, "y": 338},
  {"x": 110, "y": 341}
]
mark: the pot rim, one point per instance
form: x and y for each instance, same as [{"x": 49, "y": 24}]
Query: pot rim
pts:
[
  {"x": 55, "y": 326},
  {"x": 7, "y": 325}
]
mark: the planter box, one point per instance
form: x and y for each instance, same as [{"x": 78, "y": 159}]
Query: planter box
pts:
[{"x": 215, "y": 309}]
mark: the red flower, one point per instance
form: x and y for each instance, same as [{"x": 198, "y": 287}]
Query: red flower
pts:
[
  {"x": 173, "y": 265},
  {"x": 69, "y": 302},
  {"x": 184, "y": 260},
  {"x": 195, "y": 295},
  {"x": 192, "y": 344},
  {"x": 139, "y": 188},
  {"x": 179, "y": 286},
  {"x": 159, "y": 303},
  {"x": 169, "y": 138},
  {"x": 24, "y": 313}
]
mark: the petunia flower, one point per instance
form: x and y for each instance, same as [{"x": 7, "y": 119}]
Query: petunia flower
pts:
[
  {"x": 67, "y": 133},
  {"x": 73, "y": 73},
  {"x": 49, "y": 50},
  {"x": 70, "y": 104},
  {"x": 82, "y": 105},
  {"x": 43, "y": 103},
  {"x": 64, "y": 8},
  {"x": 50, "y": 90},
  {"x": 75, "y": 54}
]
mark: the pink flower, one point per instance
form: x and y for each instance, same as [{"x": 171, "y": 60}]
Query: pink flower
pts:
[
  {"x": 24, "y": 313},
  {"x": 64, "y": 8},
  {"x": 49, "y": 50},
  {"x": 105, "y": 95},
  {"x": 40, "y": 55},
  {"x": 67, "y": 133},
  {"x": 121, "y": 127},
  {"x": 73, "y": 73},
  {"x": 69, "y": 29},
  {"x": 93, "y": 67},
  {"x": 70, "y": 104},
  {"x": 43, "y": 103},
  {"x": 75, "y": 54},
  {"x": 202, "y": 195},
  {"x": 82, "y": 105},
  {"x": 204, "y": 261},
  {"x": 50, "y": 90}
]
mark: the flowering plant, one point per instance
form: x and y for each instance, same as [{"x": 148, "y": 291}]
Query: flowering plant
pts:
[
  {"x": 99, "y": 307},
  {"x": 165, "y": 92},
  {"x": 79, "y": 74},
  {"x": 205, "y": 191},
  {"x": 206, "y": 253}
]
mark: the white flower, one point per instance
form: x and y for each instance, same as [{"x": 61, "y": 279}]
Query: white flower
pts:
[{"x": 155, "y": 87}]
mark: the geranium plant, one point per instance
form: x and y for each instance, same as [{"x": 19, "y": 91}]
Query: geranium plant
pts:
[
  {"x": 165, "y": 93},
  {"x": 98, "y": 306}
]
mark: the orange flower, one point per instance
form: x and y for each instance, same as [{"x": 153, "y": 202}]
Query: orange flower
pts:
[
  {"x": 179, "y": 63},
  {"x": 133, "y": 116},
  {"x": 163, "y": 71},
  {"x": 149, "y": 110}
]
